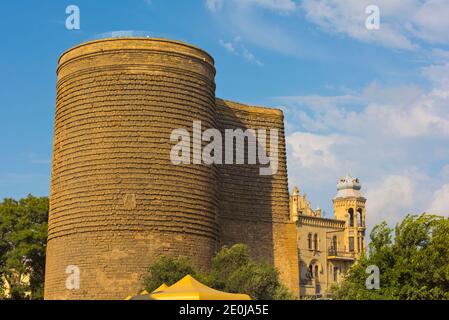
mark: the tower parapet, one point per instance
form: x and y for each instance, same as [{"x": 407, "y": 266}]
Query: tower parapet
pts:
[{"x": 300, "y": 206}]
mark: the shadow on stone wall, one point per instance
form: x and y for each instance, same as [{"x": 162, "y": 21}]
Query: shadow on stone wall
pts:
[{"x": 245, "y": 196}]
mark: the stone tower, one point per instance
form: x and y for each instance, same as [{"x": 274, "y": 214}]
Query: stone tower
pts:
[
  {"x": 349, "y": 206},
  {"x": 117, "y": 202},
  {"x": 116, "y": 199}
]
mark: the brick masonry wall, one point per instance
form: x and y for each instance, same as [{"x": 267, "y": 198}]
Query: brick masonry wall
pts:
[
  {"x": 111, "y": 264},
  {"x": 117, "y": 202},
  {"x": 254, "y": 209}
]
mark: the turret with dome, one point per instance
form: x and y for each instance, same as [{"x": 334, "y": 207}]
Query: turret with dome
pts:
[
  {"x": 348, "y": 187},
  {"x": 349, "y": 206}
]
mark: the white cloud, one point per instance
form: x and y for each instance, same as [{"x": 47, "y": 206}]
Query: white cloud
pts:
[
  {"x": 440, "y": 54},
  {"x": 237, "y": 48},
  {"x": 316, "y": 151},
  {"x": 229, "y": 46},
  {"x": 440, "y": 201},
  {"x": 348, "y": 17},
  {"x": 214, "y": 5},
  {"x": 430, "y": 21},
  {"x": 390, "y": 199},
  {"x": 439, "y": 75},
  {"x": 394, "y": 138},
  {"x": 247, "y": 19},
  {"x": 404, "y": 111},
  {"x": 275, "y": 5},
  {"x": 402, "y": 22},
  {"x": 251, "y": 57}
]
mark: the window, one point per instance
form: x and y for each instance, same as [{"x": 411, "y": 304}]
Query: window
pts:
[
  {"x": 360, "y": 217},
  {"x": 335, "y": 274},
  {"x": 316, "y": 272},
  {"x": 304, "y": 271},
  {"x": 361, "y": 241},
  {"x": 317, "y": 290},
  {"x": 310, "y": 273},
  {"x": 351, "y": 244},
  {"x": 315, "y": 241},
  {"x": 351, "y": 217},
  {"x": 334, "y": 243},
  {"x": 309, "y": 240}
]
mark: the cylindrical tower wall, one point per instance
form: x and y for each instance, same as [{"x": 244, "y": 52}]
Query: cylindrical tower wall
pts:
[{"x": 117, "y": 202}]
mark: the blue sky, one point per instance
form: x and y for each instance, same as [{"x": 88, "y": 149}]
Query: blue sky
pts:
[{"x": 370, "y": 102}]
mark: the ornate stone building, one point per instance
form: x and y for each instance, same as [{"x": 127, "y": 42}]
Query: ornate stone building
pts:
[{"x": 328, "y": 247}]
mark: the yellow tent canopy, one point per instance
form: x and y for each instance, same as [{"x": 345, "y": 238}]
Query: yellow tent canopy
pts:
[
  {"x": 144, "y": 295},
  {"x": 160, "y": 288},
  {"x": 190, "y": 289},
  {"x": 141, "y": 297}
]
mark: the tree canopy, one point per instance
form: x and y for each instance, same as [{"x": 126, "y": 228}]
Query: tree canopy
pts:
[
  {"x": 413, "y": 262},
  {"x": 23, "y": 239},
  {"x": 233, "y": 270}
]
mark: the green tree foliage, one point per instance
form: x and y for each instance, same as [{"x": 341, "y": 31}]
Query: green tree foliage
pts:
[
  {"x": 232, "y": 270},
  {"x": 413, "y": 265},
  {"x": 167, "y": 270},
  {"x": 23, "y": 239}
]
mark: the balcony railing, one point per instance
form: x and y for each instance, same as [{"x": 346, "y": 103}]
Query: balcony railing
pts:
[{"x": 333, "y": 253}]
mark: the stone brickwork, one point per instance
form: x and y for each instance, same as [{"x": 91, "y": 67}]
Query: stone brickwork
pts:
[
  {"x": 254, "y": 209},
  {"x": 117, "y": 202}
]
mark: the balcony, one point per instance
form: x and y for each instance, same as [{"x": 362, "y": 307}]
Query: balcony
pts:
[{"x": 333, "y": 254}]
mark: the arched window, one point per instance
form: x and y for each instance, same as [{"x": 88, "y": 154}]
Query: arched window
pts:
[
  {"x": 360, "y": 217},
  {"x": 310, "y": 273},
  {"x": 351, "y": 244},
  {"x": 351, "y": 217},
  {"x": 309, "y": 239},
  {"x": 304, "y": 270},
  {"x": 316, "y": 271},
  {"x": 315, "y": 241},
  {"x": 334, "y": 243}
]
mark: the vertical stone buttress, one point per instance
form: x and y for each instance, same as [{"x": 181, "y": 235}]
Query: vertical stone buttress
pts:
[
  {"x": 254, "y": 208},
  {"x": 117, "y": 202}
]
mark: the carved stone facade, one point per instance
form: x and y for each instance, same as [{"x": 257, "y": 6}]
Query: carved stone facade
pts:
[
  {"x": 117, "y": 202},
  {"x": 328, "y": 247}
]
